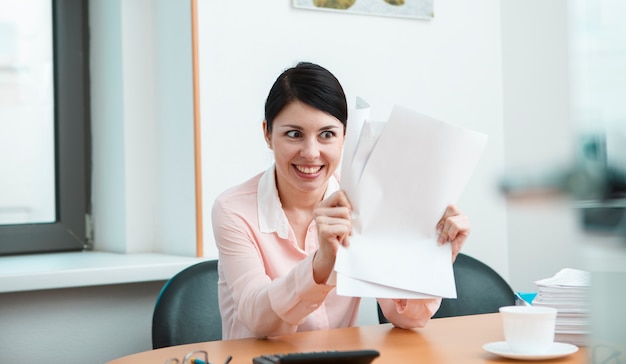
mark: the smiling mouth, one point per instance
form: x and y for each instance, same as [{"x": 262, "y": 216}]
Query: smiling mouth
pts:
[{"x": 308, "y": 170}]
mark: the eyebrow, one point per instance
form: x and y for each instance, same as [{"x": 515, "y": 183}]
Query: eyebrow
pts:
[{"x": 291, "y": 126}]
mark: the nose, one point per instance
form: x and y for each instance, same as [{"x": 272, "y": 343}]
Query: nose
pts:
[{"x": 310, "y": 149}]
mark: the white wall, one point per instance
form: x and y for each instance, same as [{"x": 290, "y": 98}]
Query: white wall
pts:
[
  {"x": 142, "y": 127},
  {"x": 77, "y": 325},
  {"x": 449, "y": 68},
  {"x": 540, "y": 136}
]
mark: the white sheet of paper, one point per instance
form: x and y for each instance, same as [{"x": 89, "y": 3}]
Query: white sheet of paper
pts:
[
  {"x": 399, "y": 189},
  {"x": 359, "y": 288},
  {"x": 357, "y": 119}
]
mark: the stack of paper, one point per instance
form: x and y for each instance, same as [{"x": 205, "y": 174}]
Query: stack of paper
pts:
[
  {"x": 568, "y": 292},
  {"x": 400, "y": 175}
]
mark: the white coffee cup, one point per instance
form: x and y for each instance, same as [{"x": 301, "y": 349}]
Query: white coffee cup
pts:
[{"x": 529, "y": 329}]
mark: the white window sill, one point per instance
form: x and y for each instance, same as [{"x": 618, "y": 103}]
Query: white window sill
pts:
[{"x": 80, "y": 269}]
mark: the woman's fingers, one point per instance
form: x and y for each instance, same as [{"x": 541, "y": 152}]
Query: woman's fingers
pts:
[
  {"x": 452, "y": 224},
  {"x": 454, "y": 227},
  {"x": 333, "y": 220},
  {"x": 333, "y": 226},
  {"x": 332, "y": 212},
  {"x": 337, "y": 199}
]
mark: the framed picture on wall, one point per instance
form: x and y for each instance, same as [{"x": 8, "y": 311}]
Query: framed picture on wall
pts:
[{"x": 417, "y": 9}]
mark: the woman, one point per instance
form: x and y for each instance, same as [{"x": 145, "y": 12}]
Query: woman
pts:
[{"x": 279, "y": 232}]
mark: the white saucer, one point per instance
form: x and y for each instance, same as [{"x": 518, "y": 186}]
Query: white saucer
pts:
[{"x": 556, "y": 351}]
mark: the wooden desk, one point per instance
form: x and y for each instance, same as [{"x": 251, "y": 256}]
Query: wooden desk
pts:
[{"x": 447, "y": 340}]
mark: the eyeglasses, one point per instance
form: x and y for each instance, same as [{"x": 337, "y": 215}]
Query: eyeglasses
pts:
[{"x": 195, "y": 357}]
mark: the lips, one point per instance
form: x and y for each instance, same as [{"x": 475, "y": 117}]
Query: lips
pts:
[{"x": 308, "y": 170}]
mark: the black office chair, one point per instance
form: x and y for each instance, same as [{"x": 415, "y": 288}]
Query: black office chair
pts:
[
  {"x": 187, "y": 309},
  {"x": 479, "y": 290}
]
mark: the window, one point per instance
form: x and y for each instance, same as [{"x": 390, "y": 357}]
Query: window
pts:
[{"x": 64, "y": 228}]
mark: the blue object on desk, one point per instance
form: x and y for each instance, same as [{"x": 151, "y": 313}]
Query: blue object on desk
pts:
[
  {"x": 200, "y": 361},
  {"x": 526, "y": 298}
]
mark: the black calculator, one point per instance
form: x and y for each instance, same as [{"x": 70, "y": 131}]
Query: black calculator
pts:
[{"x": 324, "y": 357}]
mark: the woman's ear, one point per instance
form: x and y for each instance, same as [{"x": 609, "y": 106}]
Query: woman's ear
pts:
[{"x": 267, "y": 135}]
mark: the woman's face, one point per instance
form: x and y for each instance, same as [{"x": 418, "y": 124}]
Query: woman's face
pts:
[{"x": 307, "y": 146}]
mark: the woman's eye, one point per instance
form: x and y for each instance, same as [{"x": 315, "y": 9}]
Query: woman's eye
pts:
[
  {"x": 294, "y": 134},
  {"x": 327, "y": 134}
]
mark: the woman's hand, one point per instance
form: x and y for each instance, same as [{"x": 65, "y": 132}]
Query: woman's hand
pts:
[
  {"x": 334, "y": 226},
  {"x": 454, "y": 227}
]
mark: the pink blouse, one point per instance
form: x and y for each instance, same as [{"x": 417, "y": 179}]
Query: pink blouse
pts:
[{"x": 266, "y": 286}]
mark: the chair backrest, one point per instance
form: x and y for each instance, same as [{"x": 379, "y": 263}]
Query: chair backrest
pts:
[
  {"x": 479, "y": 290},
  {"x": 187, "y": 309}
]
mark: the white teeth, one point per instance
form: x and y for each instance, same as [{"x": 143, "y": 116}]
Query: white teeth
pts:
[{"x": 309, "y": 170}]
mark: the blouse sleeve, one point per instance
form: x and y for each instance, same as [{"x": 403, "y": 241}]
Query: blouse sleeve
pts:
[
  {"x": 409, "y": 313},
  {"x": 266, "y": 307}
]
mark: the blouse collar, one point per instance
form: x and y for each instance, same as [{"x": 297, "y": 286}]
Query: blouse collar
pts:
[{"x": 272, "y": 218}]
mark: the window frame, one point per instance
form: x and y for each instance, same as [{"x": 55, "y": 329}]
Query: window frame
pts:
[{"x": 72, "y": 141}]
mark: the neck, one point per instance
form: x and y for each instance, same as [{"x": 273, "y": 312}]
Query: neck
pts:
[{"x": 292, "y": 199}]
